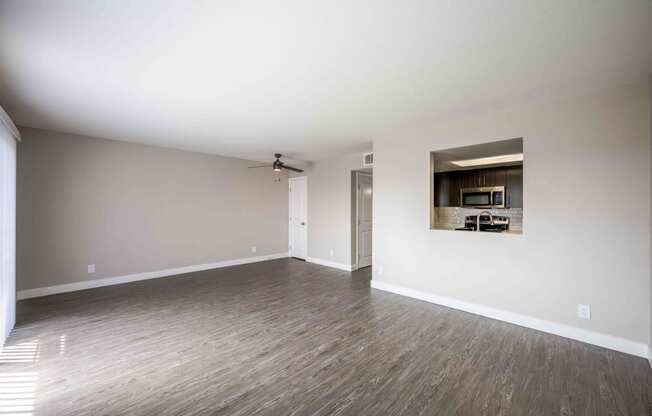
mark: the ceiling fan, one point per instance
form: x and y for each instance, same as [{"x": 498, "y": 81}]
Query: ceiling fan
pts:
[{"x": 277, "y": 165}]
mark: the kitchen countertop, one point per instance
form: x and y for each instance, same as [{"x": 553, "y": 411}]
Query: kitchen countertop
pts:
[{"x": 453, "y": 228}]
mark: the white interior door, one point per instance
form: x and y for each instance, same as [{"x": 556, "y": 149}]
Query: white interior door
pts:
[
  {"x": 299, "y": 217},
  {"x": 365, "y": 214}
]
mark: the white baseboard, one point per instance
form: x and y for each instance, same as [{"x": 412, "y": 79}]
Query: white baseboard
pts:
[
  {"x": 345, "y": 267},
  {"x": 108, "y": 281},
  {"x": 566, "y": 331}
]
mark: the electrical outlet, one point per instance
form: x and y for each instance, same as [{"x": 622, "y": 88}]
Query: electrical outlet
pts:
[
  {"x": 332, "y": 252},
  {"x": 253, "y": 249},
  {"x": 380, "y": 270},
  {"x": 583, "y": 311},
  {"x": 91, "y": 268}
]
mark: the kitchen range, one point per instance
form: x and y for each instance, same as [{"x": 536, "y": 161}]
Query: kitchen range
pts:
[
  {"x": 488, "y": 222},
  {"x": 478, "y": 188}
]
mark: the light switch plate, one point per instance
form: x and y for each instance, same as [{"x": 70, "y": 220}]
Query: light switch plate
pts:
[
  {"x": 91, "y": 268},
  {"x": 253, "y": 249}
]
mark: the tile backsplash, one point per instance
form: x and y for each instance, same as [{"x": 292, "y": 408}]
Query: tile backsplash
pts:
[{"x": 453, "y": 217}]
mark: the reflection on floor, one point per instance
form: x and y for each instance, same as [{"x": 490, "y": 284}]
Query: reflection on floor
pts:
[
  {"x": 288, "y": 337},
  {"x": 18, "y": 388}
]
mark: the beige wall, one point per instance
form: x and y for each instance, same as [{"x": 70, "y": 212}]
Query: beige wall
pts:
[
  {"x": 329, "y": 207},
  {"x": 587, "y": 207},
  {"x": 130, "y": 208}
]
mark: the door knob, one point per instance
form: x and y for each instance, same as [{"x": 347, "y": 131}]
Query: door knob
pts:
[{"x": 303, "y": 223}]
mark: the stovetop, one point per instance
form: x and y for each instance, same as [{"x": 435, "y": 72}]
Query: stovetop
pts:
[
  {"x": 496, "y": 224},
  {"x": 486, "y": 219}
]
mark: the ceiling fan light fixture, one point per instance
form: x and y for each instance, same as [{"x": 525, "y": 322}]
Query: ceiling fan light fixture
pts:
[{"x": 277, "y": 165}]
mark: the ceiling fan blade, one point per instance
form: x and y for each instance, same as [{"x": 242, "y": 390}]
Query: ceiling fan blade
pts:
[
  {"x": 261, "y": 166},
  {"x": 291, "y": 168}
]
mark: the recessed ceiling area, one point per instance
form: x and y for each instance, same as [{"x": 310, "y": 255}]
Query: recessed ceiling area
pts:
[
  {"x": 497, "y": 153},
  {"x": 306, "y": 79}
]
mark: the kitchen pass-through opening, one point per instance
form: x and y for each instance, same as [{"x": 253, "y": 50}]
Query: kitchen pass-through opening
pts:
[{"x": 478, "y": 188}]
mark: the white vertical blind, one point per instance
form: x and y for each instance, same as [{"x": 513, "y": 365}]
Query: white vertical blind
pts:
[{"x": 8, "y": 137}]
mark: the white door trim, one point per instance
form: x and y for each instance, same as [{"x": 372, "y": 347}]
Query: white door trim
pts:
[
  {"x": 356, "y": 257},
  {"x": 290, "y": 239}
]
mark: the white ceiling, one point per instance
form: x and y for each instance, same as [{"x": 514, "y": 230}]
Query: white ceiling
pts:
[{"x": 307, "y": 78}]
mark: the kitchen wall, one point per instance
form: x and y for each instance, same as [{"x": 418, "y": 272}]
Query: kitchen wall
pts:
[
  {"x": 587, "y": 204},
  {"x": 130, "y": 208},
  {"x": 329, "y": 208}
]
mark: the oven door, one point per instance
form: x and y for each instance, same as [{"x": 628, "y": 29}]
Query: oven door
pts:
[{"x": 476, "y": 198}]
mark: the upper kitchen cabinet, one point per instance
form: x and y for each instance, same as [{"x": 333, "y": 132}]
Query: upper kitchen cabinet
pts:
[
  {"x": 470, "y": 179},
  {"x": 446, "y": 189},
  {"x": 514, "y": 186},
  {"x": 474, "y": 178},
  {"x": 485, "y": 177},
  {"x": 493, "y": 177},
  {"x": 447, "y": 185},
  {"x": 442, "y": 189},
  {"x": 454, "y": 190}
]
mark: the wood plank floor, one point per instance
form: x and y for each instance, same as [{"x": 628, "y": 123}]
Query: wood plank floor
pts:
[{"x": 286, "y": 337}]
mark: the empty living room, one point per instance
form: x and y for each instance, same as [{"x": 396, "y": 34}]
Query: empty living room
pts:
[{"x": 364, "y": 207}]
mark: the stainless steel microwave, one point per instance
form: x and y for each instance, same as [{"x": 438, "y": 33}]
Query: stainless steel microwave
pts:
[{"x": 485, "y": 197}]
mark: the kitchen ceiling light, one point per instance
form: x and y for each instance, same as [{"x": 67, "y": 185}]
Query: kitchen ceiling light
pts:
[{"x": 517, "y": 157}]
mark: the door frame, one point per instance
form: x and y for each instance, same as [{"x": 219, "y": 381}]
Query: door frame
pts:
[
  {"x": 290, "y": 239},
  {"x": 356, "y": 228}
]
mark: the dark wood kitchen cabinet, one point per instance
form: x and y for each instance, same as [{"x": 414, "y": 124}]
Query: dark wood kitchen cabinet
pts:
[
  {"x": 454, "y": 190},
  {"x": 493, "y": 177},
  {"x": 470, "y": 178},
  {"x": 441, "y": 186},
  {"x": 447, "y": 185},
  {"x": 482, "y": 177},
  {"x": 446, "y": 189},
  {"x": 514, "y": 186}
]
